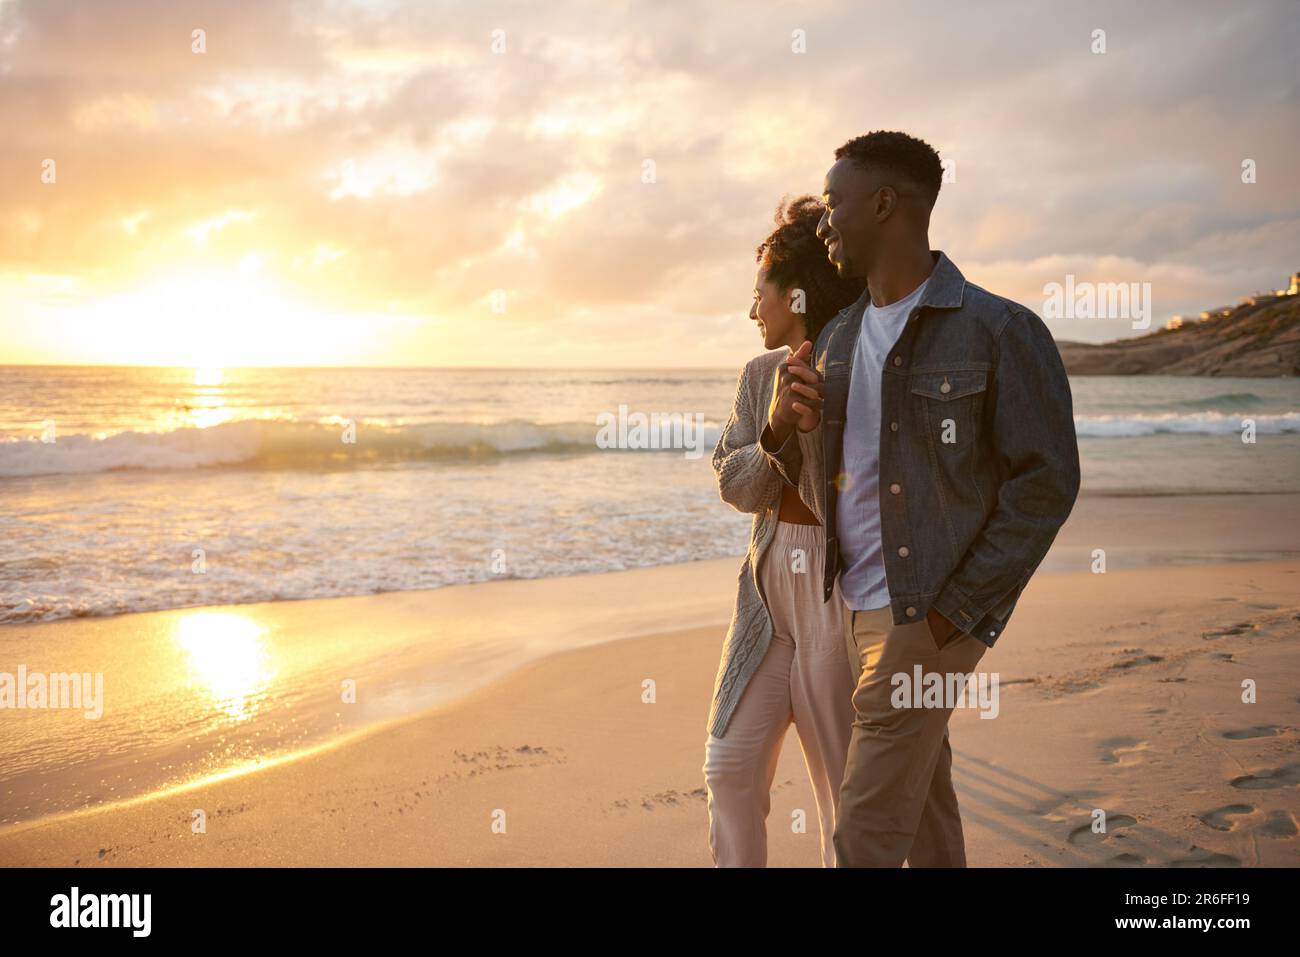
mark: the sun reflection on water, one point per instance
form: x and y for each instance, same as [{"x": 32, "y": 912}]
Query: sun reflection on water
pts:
[
  {"x": 227, "y": 656},
  {"x": 206, "y": 405}
]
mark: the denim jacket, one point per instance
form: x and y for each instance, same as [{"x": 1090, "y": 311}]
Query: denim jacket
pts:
[{"x": 979, "y": 464}]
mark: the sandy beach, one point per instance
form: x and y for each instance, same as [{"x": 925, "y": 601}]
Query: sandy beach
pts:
[
  {"x": 383, "y": 388},
  {"x": 1119, "y": 691}
]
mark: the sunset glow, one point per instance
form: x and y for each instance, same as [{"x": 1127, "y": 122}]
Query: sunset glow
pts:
[{"x": 573, "y": 186}]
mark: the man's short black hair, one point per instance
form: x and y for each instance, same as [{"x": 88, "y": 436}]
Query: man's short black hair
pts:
[{"x": 899, "y": 155}]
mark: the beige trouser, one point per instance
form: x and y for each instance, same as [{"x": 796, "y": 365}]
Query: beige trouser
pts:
[
  {"x": 897, "y": 802},
  {"x": 804, "y": 677}
]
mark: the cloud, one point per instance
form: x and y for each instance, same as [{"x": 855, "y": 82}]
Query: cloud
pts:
[{"x": 383, "y": 156}]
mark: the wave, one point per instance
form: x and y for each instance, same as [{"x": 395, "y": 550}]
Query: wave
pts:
[
  {"x": 1223, "y": 398},
  {"x": 1205, "y": 423},
  {"x": 693, "y": 379},
  {"x": 282, "y": 444},
  {"x": 269, "y": 443}
]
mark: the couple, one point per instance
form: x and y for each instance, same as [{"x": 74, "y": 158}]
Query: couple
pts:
[{"x": 908, "y": 459}]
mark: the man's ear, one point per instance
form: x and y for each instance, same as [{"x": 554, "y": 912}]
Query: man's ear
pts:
[{"x": 886, "y": 202}]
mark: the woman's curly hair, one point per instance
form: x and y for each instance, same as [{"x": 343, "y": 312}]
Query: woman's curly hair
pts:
[{"x": 796, "y": 259}]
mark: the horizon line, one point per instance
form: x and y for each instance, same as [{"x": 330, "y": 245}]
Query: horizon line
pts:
[{"x": 519, "y": 368}]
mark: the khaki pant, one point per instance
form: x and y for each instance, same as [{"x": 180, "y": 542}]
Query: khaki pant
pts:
[
  {"x": 804, "y": 678},
  {"x": 897, "y": 802}
]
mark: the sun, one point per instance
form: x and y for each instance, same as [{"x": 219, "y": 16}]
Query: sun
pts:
[
  {"x": 214, "y": 318},
  {"x": 207, "y": 318}
]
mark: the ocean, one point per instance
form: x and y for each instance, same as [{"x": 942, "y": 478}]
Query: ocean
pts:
[{"x": 128, "y": 489}]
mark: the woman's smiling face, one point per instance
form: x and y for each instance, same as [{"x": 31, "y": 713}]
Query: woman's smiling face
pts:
[{"x": 777, "y": 322}]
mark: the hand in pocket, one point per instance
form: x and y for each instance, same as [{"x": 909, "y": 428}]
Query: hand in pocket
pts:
[{"x": 941, "y": 629}]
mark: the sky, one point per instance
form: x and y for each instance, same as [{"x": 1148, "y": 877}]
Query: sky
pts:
[{"x": 468, "y": 184}]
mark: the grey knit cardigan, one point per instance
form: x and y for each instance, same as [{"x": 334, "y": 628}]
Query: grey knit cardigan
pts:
[{"x": 748, "y": 483}]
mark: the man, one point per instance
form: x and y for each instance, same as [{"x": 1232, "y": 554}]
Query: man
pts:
[{"x": 937, "y": 422}]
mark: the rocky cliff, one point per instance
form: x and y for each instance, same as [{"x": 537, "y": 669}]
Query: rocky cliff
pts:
[{"x": 1256, "y": 339}]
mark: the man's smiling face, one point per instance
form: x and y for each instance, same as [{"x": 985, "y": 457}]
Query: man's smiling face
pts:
[{"x": 848, "y": 227}]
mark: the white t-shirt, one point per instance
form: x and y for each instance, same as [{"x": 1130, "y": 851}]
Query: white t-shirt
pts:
[{"x": 857, "y": 522}]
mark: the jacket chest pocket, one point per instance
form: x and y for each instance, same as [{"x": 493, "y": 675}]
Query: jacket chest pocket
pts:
[{"x": 950, "y": 405}]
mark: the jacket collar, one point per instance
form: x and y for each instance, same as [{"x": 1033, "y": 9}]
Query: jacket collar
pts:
[
  {"x": 946, "y": 285},
  {"x": 944, "y": 291}
]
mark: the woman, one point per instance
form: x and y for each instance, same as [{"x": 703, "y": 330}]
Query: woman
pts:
[{"x": 784, "y": 658}]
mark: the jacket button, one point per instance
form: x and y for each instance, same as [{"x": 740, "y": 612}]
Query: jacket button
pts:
[
  {"x": 945, "y": 388},
  {"x": 898, "y": 360},
  {"x": 893, "y": 426},
  {"x": 911, "y": 612},
  {"x": 992, "y": 633},
  {"x": 895, "y": 488},
  {"x": 904, "y": 552}
]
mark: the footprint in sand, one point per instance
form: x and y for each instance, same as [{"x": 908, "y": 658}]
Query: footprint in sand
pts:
[
  {"x": 502, "y": 758},
  {"x": 1048, "y": 808},
  {"x": 1123, "y": 751},
  {"x": 671, "y": 798},
  {"x": 1085, "y": 835},
  {"x": 1204, "y": 858},
  {"x": 1128, "y": 860},
  {"x": 1258, "y": 731},
  {"x": 1136, "y": 661},
  {"x": 1266, "y": 780},
  {"x": 1279, "y": 824},
  {"x": 1238, "y": 629},
  {"x": 1218, "y": 818}
]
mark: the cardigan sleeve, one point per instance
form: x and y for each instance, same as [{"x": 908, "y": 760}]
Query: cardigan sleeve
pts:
[
  {"x": 798, "y": 463},
  {"x": 745, "y": 480}
]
